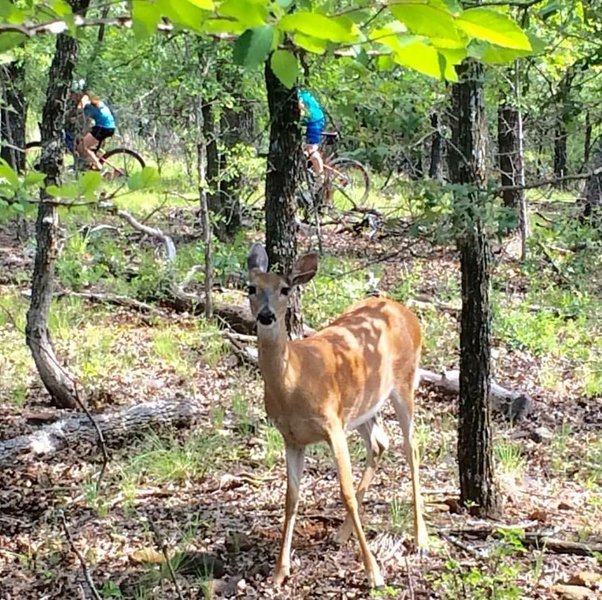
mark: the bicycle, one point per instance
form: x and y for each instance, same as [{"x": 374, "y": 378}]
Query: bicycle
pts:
[
  {"x": 117, "y": 163},
  {"x": 344, "y": 186}
]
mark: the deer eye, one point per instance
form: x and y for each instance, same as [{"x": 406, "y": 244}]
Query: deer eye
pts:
[
  {"x": 285, "y": 290},
  {"x": 252, "y": 290}
]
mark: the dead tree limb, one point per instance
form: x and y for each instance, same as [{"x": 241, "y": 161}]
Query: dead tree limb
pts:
[
  {"x": 513, "y": 404},
  {"x": 78, "y": 429},
  {"x": 82, "y": 562}
]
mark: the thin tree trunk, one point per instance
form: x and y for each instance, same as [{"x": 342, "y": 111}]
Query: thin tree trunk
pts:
[
  {"x": 587, "y": 142},
  {"x": 436, "y": 166},
  {"x": 593, "y": 190},
  {"x": 467, "y": 167},
  {"x": 57, "y": 381},
  {"x": 284, "y": 160},
  {"x": 508, "y": 153},
  {"x": 12, "y": 115}
]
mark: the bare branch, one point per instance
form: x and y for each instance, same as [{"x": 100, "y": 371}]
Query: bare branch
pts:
[{"x": 80, "y": 557}]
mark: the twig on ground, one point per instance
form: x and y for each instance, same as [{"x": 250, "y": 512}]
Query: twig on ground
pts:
[
  {"x": 162, "y": 544},
  {"x": 80, "y": 557}
]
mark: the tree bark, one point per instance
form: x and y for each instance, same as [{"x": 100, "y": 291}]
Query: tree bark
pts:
[
  {"x": 436, "y": 165},
  {"x": 593, "y": 190},
  {"x": 283, "y": 174},
  {"x": 58, "y": 382},
  {"x": 467, "y": 168},
  {"x": 509, "y": 155},
  {"x": 224, "y": 186},
  {"x": 13, "y": 115}
]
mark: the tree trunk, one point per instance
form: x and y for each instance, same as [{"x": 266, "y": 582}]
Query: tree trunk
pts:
[
  {"x": 560, "y": 149},
  {"x": 467, "y": 168},
  {"x": 283, "y": 167},
  {"x": 593, "y": 190},
  {"x": 509, "y": 155},
  {"x": 224, "y": 186},
  {"x": 587, "y": 142},
  {"x": 12, "y": 115},
  {"x": 57, "y": 381},
  {"x": 436, "y": 166}
]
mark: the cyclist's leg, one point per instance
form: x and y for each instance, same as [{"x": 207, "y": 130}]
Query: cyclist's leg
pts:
[
  {"x": 312, "y": 145},
  {"x": 91, "y": 142}
]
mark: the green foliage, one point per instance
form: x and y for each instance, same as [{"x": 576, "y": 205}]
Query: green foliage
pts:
[{"x": 495, "y": 578}]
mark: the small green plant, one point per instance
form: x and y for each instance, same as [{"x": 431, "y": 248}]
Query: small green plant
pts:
[
  {"x": 509, "y": 458},
  {"x": 401, "y": 515},
  {"x": 110, "y": 589},
  {"x": 273, "y": 446},
  {"x": 240, "y": 407},
  {"x": 388, "y": 591},
  {"x": 495, "y": 578}
]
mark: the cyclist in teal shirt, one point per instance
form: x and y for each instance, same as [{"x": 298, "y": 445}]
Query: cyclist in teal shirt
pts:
[
  {"x": 104, "y": 127},
  {"x": 313, "y": 117}
]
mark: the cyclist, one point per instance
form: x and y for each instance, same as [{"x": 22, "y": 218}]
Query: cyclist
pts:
[
  {"x": 312, "y": 116},
  {"x": 104, "y": 127}
]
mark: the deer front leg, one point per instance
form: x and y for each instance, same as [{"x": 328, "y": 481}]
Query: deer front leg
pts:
[
  {"x": 338, "y": 443},
  {"x": 295, "y": 458}
]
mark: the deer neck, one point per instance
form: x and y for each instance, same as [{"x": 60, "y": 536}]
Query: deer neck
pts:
[{"x": 273, "y": 348}]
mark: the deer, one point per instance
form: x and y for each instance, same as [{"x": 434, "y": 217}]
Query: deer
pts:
[{"x": 337, "y": 380}]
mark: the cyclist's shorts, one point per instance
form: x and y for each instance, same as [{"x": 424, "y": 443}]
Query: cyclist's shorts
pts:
[
  {"x": 101, "y": 133},
  {"x": 69, "y": 141},
  {"x": 314, "y": 131}
]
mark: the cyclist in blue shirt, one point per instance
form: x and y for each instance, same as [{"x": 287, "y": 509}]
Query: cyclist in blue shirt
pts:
[
  {"x": 312, "y": 116},
  {"x": 103, "y": 128}
]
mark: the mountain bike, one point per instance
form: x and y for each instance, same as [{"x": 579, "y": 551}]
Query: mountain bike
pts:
[
  {"x": 117, "y": 163},
  {"x": 343, "y": 187}
]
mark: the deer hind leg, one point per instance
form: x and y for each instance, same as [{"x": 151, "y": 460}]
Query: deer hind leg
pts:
[
  {"x": 295, "y": 458},
  {"x": 376, "y": 442},
  {"x": 338, "y": 443},
  {"x": 403, "y": 401}
]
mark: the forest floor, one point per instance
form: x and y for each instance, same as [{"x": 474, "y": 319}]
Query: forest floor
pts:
[{"x": 212, "y": 491}]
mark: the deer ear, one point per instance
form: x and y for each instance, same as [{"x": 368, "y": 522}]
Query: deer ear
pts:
[
  {"x": 304, "y": 269},
  {"x": 257, "y": 259}
]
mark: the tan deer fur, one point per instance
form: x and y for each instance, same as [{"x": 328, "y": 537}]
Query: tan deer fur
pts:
[{"x": 336, "y": 380}]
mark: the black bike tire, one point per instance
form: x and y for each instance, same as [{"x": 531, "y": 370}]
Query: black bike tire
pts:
[
  {"x": 341, "y": 164},
  {"x": 132, "y": 153}
]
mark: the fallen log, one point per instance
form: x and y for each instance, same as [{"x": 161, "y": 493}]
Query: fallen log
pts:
[
  {"x": 531, "y": 539},
  {"x": 77, "y": 429},
  {"x": 514, "y": 405}
]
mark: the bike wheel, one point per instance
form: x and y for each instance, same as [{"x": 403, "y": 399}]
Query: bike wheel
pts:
[
  {"x": 121, "y": 162},
  {"x": 348, "y": 184}
]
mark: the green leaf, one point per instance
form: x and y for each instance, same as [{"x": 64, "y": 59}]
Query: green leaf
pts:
[
  {"x": 285, "y": 66},
  {"x": 432, "y": 20},
  {"x": 10, "y": 40},
  {"x": 491, "y": 26},
  {"x": 223, "y": 26},
  {"x": 33, "y": 178},
  {"x": 494, "y": 55},
  {"x": 339, "y": 29},
  {"x": 204, "y": 4},
  {"x": 187, "y": 13},
  {"x": 145, "y": 18},
  {"x": 416, "y": 54},
  {"x": 69, "y": 191},
  {"x": 309, "y": 43},
  {"x": 88, "y": 184},
  {"x": 250, "y": 12},
  {"x": 60, "y": 8},
  {"x": 147, "y": 178},
  {"x": 8, "y": 174},
  {"x": 253, "y": 46}
]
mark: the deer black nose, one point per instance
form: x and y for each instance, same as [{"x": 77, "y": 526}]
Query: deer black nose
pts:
[{"x": 266, "y": 316}]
